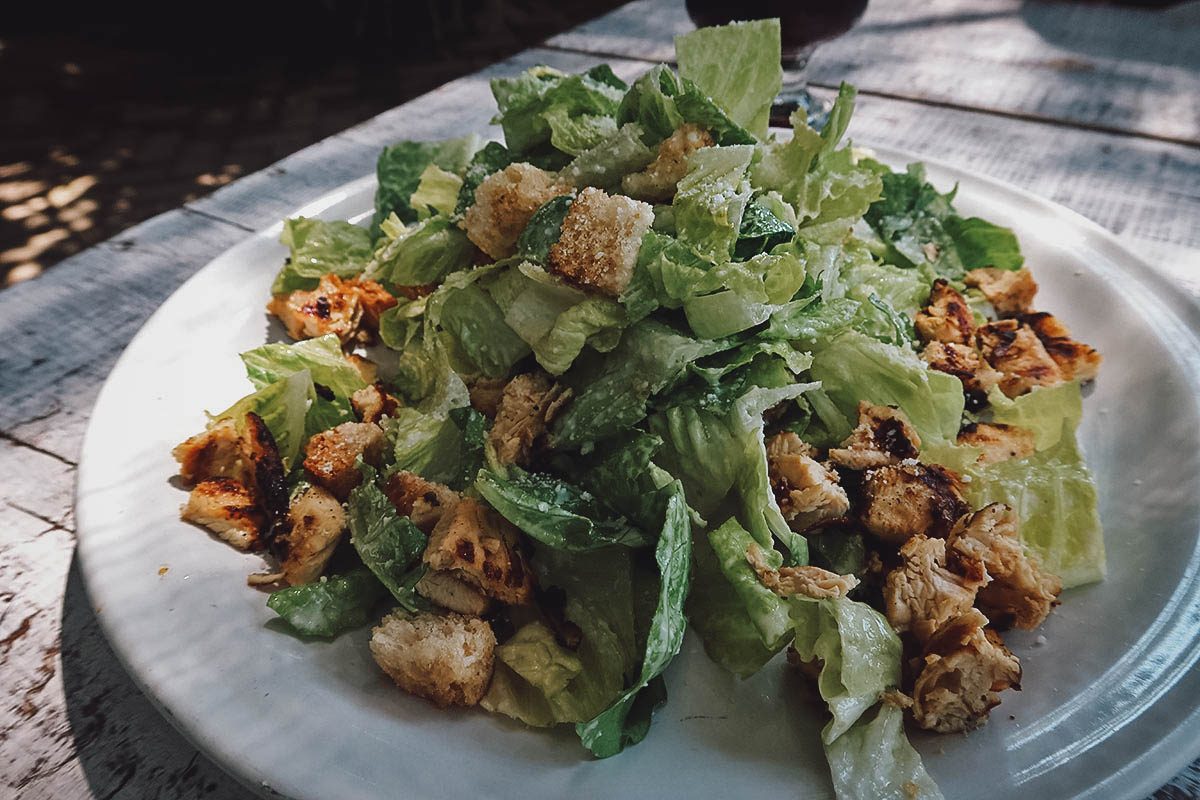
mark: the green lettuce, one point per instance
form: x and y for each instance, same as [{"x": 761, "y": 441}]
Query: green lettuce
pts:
[
  {"x": 738, "y": 66},
  {"x": 738, "y": 295},
  {"x": 329, "y": 606},
  {"x": 606, "y": 162},
  {"x": 389, "y": 544},
  {"x": 438, "y": 447},
  {"x": 401, "y": 166},
  {"x": 1046, "y": 410},
  {"x": 543, "y": 104},
  {"x": 710, "y": 199},
  {"x": 874, "y": 758},
  {"x": 491, "y": 158},
  {"x": 760, "y": 231},
  {"x": 318, "y": 248},
  {"x": 544, "y": 229},
  {"x": 421, "y": 254},
  {"x": 284, "y": 407},
  {"x": 322, "y": 357},
  {"x": 437, "y": 193},
  {"x": 477, "y": 324}
]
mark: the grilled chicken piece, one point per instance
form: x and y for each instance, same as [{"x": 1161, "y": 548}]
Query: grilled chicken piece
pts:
[
  {"x": 923, "y": 593},
  {"x": 1075, "y": 360},
  {"x": 480, "y": 547},
  {"x": 1019, "y": 593},
  {"x": 911, "y": 498},
  {"x": 312, "y": 529},
  {"x": 374, "y": 300},
  {"x": 446, "y": 658},
  {"x": 333, "y": 307},
  {"x": 453, "y": 593},
  {"x": 504, "y": 203},
  {"x": 1019, "y": 355},
  {"x": 485, "y": 394},
  {"x": 424, "y": 502},
  {"x": 808, "y": 494},
  {"x": 657, "y": 182},
  {"x": 883, "y": 436},
  {"x": 229, "y": 509},
  {"x": 329, "y": 456},
  {"x": 965, "y": 363},
  {"x": 945, "y": 317},
  {"x": 1009, "y": 291},
  {"x": 965, "y": 666},
  {"x": 808, "y": 581},
  {"x": 600, "y": 239},
  {"x": 367, "y": 369},
  {"x": 999, "y": 442},
  {"x": 373, "y": 403},
  {"x": 527, "y": 407}
]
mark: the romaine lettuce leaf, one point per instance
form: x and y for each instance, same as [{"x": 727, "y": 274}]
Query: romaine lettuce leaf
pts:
[
  {"x": 874, "y": 758},
  {"x": 710, "y": 199},
  {"x": 738, "y": 295},
  {"x": 435, "y": 446},
  {"x": 400, "y": 168},
  {"x": 766, "y": 610},
  {"x": 389, "y": 544},
  {"x": 528, "y": 102},
  {"x": 1046, "y": 410},
  {"x": 331, "y": 605},
  {"x": 760, "y": 231},
  {"x": 318, "y": 248},
  {"x": 492, "y": 157},
  {"x": 605, "y": 163},
  {"x": 321, "y": 356},
  {"x": 738, "y": 66},
  {"x": 284, "y": 406},
  {"x": 437, "y": 192},
  {"x": 544, "y": 229},
  {"x": 477, "y": 324},
  {"x": 421, "y": 254}
]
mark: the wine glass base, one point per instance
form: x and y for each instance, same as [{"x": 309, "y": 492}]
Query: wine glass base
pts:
[{"x": 816, "y": 110}]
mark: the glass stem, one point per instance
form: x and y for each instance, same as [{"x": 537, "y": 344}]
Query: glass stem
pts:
[{"x": 795, "y": 76}]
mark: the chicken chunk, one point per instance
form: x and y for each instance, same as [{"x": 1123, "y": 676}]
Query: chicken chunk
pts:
[
  {"x": 373, "y": 403},
  {"x": 1019, "y": 355},
  {"x": 1009, "y": 291},
  {"x": 923, "y": 594},
  {"x": 945, "y": 317},
  {"x": 600, "y": 239},
  {"x": 999, "y": 442},
  {"x": 313, "y": 527},
  {"x": 965, "y": 363},
  {"x": 808, "y": 494},
  {"x": 657, "y": 182},
  {"x": 903, "y": 500},
  {"x": 446, "y": 658},
  {"x": 504, "y": 204},
  {"x": 374, "y": 300},
  {"x": 1075, "y": 360},
  {"x": 367, "y": 369},
  {"x": 527, "y": 407},
  {"x": 329, "y": 456},
  {"x": 1019, "y": 593},
  {"x": 965, "y": 667},
  {"x": 453, "y": 593},
  {"x": 809, "y": 581},
  {"x": 480, "y": 547},
  {"x": 333, "y": 307},
  {"x": 883, "y": 436},
  {"x": 424, "y": 502},
  {"x": 229, "y": 509},
  {"x": 485, "y": 394}
]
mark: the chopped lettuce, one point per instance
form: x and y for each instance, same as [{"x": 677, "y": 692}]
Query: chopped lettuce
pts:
[
  {"x": 760, "y": 231},
  {"x": 421, "y": 254},
  {"x": 389, "y": 544},
  {"x": 471, "y": 316},
  {"x": 737, "y": 66},
  {"x": 437, "y": 193},
  {"x": 402, "y": 165},
  {"x": 606, "y": 162},
  {"x": 319, "y": 248},
  {"x": 542, "y": 105},
  {"x": 322, "y": 357},
  {"x": 710, "y": 199},
  {"x": 329, "y": 606},
  {"x": 874, "y": 758},
  {"x": 544, "y": 229},
  {"x": 1046, "y": 410},
  {"x": 284, "y": 407},
  {"x": 491, "y": 158},
  {"x": 438, "y": 447}
]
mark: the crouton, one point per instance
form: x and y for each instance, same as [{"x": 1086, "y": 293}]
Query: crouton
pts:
[
  {"x": 1009, "y": 291},
  {"x": 527, "y": 407},
  {"x": 1019, "y": 593},
  {"x": 965, "y": 363},
  {"x": 945, "y": 317},
  {"x": 373, "y": 403},
  {"x": 504, "y": 204},
  {"x": 1075, "y": 360},
  {"x": 807, "y": 581},
  {"x": 453, "y": 593},
  {"x": 229, "y": 509},
  {"x": 1019, "y": 355},
  {"x": 314, "y": 525},
  {"x": 485, "y": 394},
  {"x": 999, "y": 442},
  {"x": 883, "y": 436},
  {"x": 422, "y": 501},
  {"x": 808, "y": 494},
  {"x": 480, "y": 546},
  {"x": 657, "y": 181},
  {"x": 903, "y": 500},
  {"x": 446, "y": 658},
  {"x": 965, "y": 667},
  {"x": 600, "y": 240},
  {"x": 329, "y": 456},
  {"x": 922, "y": 594},
  {"x": 333, "y": 307}
]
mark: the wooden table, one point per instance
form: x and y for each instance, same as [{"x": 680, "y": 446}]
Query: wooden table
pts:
[{"x": 1097, "y": 108}]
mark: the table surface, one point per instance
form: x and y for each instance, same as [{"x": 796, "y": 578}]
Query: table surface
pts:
[{"x": 1095, "y": 107}]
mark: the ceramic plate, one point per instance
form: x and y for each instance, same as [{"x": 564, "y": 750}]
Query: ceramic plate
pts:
[{"x": 1109, "y": 708}]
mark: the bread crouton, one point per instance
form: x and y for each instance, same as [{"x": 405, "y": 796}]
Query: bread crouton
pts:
[
  {"x": 657, "y": 182},
  {"x": 883, "y": 436},
  {"x": 420, "y": 500},
  {"x": 485, "y": 394},
  {"x": 504, "y": 203},
  {"x": 453, "y": 593},
  {"x": 333, "y": 307},
  {"x": 808, "y": 494},
  {"x": 600, "y": 239},
  {"x": 999, "y": 442},
  {"x": 313, "y": 527},
  {"x": 527, "y": 407},
  {"x": 329, "y": 456},
  {"x": 1075, "y": 360},
  {"x": 945, "y": 317},
  {"x": 1009, "y": 291},
  {"x": 446, "y": 658},
  {"x": 229, "y": 509},
  {"x": 480, "y": 546},
  {"x": 1019, "y": 355},
  {"x": 373, "y": 403},
  {"x": 903, "y": 500}
]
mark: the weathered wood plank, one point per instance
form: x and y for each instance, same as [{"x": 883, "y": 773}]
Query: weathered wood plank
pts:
[{"x": 1113, "y": 68}]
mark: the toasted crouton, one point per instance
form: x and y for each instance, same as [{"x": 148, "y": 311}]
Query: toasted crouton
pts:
[
  {"x": 999, "y": 442},
  {"x": 313, "y": 527},
  {"x": 600, "y": 239},
  {"x": 657, "y": 182},
  {"x": 945, "y": 317},
  {"x": 420, "y": 500},
  {"x": 229, "y": 509},
  {"x": 446, "y": 658},
  {"x": 1075, "y": 360},
  {"x": 808, "y": 493},
  {"x": 480, "y": 546},
  {"x": 923, "y": 593},
  {"x": 485, "y": 394},
  {"x": 333, "y": 307},
  {"x": 329, "y": 456},
  {"x": 373, "y": 403},
  {"x": 883, "y": 436},
  {"x": 1019, "y": 355},
  {"x": 527, "y": 407},
  {"x": 903, "y": 500},
  {"x": 965, "y": 363},
  {"x": 806, "y": 581},
  {"x": 504, "y": 204},
  {"x": 1009, "y": 291},
  {"x": 453, "y": 593}
]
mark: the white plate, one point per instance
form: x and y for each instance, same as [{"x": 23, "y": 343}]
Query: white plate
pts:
[{"x": 1109, "y": 708}]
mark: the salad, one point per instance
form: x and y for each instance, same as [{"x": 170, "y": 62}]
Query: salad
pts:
[{"x": 648, "y": 365}]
